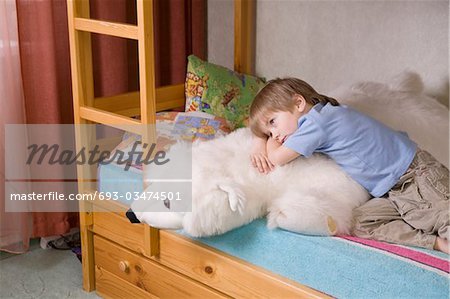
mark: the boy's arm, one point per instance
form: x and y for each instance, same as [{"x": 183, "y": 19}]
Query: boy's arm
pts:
[
  {"x": 279, "y": 154},
  {"x": 259, "y": 155}
]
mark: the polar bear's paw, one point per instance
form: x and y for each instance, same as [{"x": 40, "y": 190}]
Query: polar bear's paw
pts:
[
  {"x": 273, "y": 216},
  {"x": 302, "y": 214},
  {"x": 161, "y": 220},
  {"x": 236, "y": 196},
  {"x": 332, "y": 226}
]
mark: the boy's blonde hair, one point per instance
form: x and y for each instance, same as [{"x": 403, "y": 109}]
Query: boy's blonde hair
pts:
[{"x": 278, "y": 95}]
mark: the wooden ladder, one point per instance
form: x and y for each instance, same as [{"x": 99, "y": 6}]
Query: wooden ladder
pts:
[{"x": 116, "y": 111}]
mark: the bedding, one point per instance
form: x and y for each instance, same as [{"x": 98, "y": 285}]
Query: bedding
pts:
[
  {"x": 172, "y": 126},
  {"x": 220, "y": 91}
]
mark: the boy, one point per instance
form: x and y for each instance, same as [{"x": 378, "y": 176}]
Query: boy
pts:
[{"x": 410, "y": 188}]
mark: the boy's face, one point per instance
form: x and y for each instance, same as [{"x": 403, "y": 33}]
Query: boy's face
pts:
[{"x": 281, "y": 124}]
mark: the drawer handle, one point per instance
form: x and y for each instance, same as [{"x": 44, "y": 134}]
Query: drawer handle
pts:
[
  {"x": 124, "y": 266},
  {"x": 209, "y": 269}
]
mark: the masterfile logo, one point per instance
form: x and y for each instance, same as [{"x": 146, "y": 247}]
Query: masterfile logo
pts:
[{"x": 43, "y": 167}]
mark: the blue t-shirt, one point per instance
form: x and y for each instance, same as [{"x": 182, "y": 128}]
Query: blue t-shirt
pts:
[{"x": 373, "y": 154}]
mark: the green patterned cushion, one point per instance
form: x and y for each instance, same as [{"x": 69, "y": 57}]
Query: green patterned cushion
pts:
[{"x": 217, "y": 90}]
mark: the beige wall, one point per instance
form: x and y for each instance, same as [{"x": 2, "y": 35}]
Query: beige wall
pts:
[
  {"x": 220, "y": 32},
  {"x": 331, "y": 43}
]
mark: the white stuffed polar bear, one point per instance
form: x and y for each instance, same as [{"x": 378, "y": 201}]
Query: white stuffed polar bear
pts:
[{"x": 306, "y": 194}]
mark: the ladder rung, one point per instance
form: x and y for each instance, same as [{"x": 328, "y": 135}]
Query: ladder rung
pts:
[
  {"x": 119, "y": 102},
  {"x": 128, "y": 103},
  {"x": 108, "y": 28},
  {"x": 166, "y": 105},
  {"x": 111, "y": 119},
  {"x": 170, "y": 92},
  {"x": 161, "y": 106}
]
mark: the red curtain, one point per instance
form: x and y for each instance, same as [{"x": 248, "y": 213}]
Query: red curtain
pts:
[
  {"x": 44, "y": 47},
  {"x": 180, "y": 30}
]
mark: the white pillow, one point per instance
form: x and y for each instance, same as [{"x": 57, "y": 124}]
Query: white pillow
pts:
[{"x": 403, "y": 106}]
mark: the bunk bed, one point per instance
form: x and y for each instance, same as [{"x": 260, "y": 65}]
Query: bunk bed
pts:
[
  {"x": 125, "y": 260},
  {"x": 173, "y": 265}
]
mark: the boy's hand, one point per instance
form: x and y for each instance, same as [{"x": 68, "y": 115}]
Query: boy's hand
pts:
[
  {"x": 259, "y": 157},
  {"x": 261, "y": 162}
]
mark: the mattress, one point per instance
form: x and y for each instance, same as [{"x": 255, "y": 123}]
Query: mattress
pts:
[{"x": 346, "y": 267}]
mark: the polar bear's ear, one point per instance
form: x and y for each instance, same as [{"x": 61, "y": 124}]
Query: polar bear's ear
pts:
[
  {"x": 407, "y": 81},
  {"x": 236, "y": 196},
  {"x": 368, "y": 88}
]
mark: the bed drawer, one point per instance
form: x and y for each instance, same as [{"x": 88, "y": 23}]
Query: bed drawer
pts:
[
  {"x": 116, "y": 227},
  {"x": 109, "y": 285},
  {"x": 226, "y": 273},
  {"x": 147, "y": 275}
]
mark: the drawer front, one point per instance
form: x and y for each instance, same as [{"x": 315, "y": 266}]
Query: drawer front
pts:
[
  {"x": 116, "y": 227},
  {"x": 226, "y": 273},
  {"x": 147, "y": 274},
  {"x": 109, "y": 285}
]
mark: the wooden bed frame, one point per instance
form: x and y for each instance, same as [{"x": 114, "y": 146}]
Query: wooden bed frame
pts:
[{"x": 121, "y": 259}]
